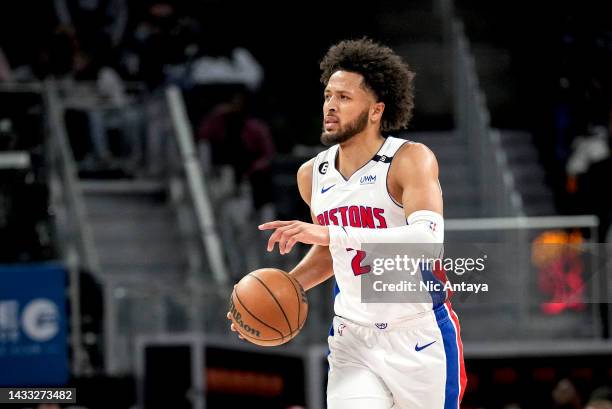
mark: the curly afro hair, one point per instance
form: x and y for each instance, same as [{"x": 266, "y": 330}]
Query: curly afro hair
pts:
[{"x": 384, "y": 73}]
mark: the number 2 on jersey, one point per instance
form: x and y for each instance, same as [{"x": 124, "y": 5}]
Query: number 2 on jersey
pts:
[{"x": 358, "y": 269}]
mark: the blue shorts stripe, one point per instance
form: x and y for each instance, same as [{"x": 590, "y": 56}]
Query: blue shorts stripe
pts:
[{"x": 451, "y": 349}]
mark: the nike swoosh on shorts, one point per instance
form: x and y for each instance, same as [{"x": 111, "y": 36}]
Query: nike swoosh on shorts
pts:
[{"x": 418, "y": 348}]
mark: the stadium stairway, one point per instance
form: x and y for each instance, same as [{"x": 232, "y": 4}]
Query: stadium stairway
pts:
[
  {"x": 461, "y": 194},
  {"x": 501, "y": 64},
  {"x": 528, "y": 172},
  {"x": 415, "y": 32},
  {"x": 142, "y": 259},
  {"x": 134, "y": 228}
]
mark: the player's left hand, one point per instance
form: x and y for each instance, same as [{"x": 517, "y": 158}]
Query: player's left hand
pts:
[{"x": 287, "y": 233}]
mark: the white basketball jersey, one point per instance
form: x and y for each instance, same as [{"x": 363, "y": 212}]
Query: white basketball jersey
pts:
[{"x": 361, "y": 201}]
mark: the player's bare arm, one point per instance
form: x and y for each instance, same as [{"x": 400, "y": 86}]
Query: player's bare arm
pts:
[
  {"x": 316, "y": 266},
  {"x": 413, "y": 181}
]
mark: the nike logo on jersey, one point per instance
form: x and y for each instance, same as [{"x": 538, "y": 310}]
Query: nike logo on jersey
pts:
[
  {"x": 418, "y": 348},
  {"x": 323, "y": 189}
]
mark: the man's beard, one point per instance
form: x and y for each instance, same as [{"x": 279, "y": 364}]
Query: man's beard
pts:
[{"x": 346, "y": 133}]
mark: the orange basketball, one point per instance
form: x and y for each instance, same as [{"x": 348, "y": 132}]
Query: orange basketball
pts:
[{"x": 268, "y": 307}]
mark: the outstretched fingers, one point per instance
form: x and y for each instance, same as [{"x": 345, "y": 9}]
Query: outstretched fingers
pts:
[
  {"x": 278, "y": 234},
  {"x": 275, "y": 224},
  {"x": 287, "y": 236}
]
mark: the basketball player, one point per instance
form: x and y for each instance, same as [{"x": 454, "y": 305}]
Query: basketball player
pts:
[{"x": 368, "y": 188}]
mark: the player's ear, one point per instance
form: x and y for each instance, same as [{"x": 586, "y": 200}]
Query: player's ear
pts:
[{"x": 376, "y": 111}]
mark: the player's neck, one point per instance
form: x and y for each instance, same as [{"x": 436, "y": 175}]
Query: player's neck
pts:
[{"x": 357, "y": 151}]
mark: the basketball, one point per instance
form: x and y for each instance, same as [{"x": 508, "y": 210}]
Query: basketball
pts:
[{"x": 268, "y": 307}]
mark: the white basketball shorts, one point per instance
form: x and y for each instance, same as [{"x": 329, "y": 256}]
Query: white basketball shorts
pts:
[{"x": 414, "y": 364}]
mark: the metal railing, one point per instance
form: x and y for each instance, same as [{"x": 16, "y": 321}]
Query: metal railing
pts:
[
  {"x": 61, "y": 155},
  {"x": 195, "y": 188},
  {"x": 75, "y": 235},
  {"x": 513, "y": 272},
  {"x": 522, "y": 316},
  {"x": 136, "y": 305}
]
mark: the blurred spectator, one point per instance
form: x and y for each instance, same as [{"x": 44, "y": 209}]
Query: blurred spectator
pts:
[
  {"x": 565, "y": 395},
  {"x": 115, "y": 111},
  {"x": 102, "y": 19},
  {"x": 601, "y": 398},
  {"x": 241, "y": 141},
  {"x": 588, "y": 172},
  {"x": 94, "y": 110},
  {"x": 586, "y": 150},
  {"x": 163, "y": 38},
  {"x": 241, "y": 68},
  {"x": 8, "y": 137},
  {"x": 599, "y": 404}
]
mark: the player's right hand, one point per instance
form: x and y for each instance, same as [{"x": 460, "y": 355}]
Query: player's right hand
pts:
[{"x": 232, "y": 326}]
